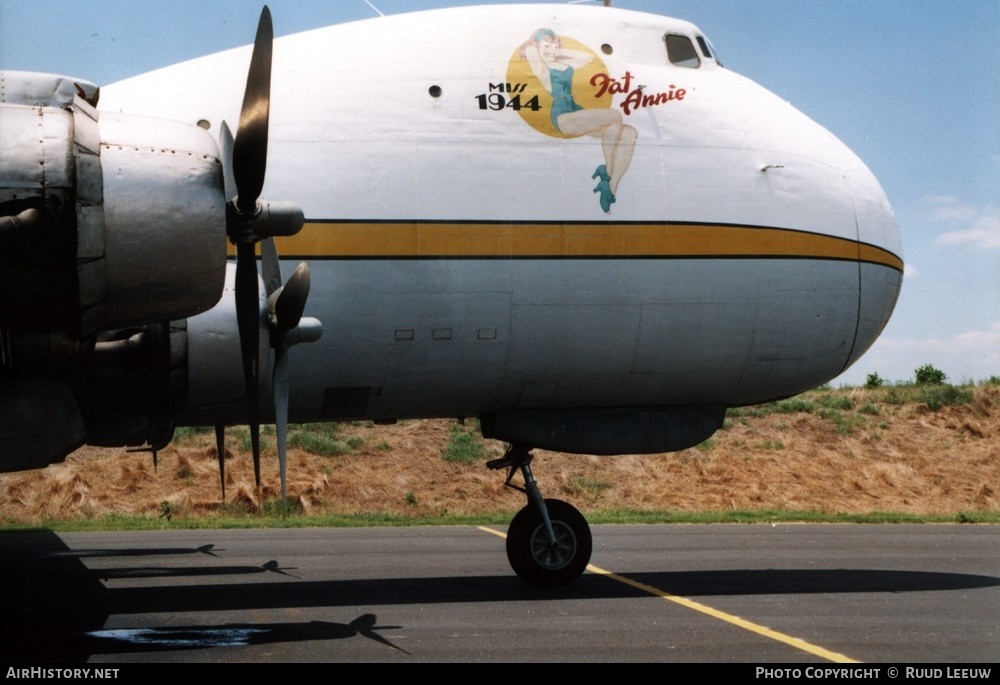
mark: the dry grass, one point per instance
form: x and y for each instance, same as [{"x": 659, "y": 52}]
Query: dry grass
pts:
[{"x": 875, "y": 456}]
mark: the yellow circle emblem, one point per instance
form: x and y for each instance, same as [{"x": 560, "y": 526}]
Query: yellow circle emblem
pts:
[{"x": 535, "y": 101}]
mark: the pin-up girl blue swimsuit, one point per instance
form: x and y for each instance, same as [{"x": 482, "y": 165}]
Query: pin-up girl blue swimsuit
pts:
[
  {"x": 563, "y": 103},
  {"x": 562, "y": 94}
]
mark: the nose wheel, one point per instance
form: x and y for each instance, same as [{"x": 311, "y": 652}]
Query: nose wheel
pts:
[
  {"x": 549, "y": 541},
  {"x": 539, "y": 560}
]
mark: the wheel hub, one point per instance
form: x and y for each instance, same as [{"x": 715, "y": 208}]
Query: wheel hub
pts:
[{"x": 553, "y": 555}]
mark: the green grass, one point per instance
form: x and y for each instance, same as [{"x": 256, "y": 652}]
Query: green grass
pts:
[
  {"x": 934, "y": 396},
  {"x": 840, "y": 408},
  {"x": 318, "y": 438},
  {"x": 845, "y": 423},
  {"x": 323, "y": 439},
  {"x": 275, "y": 519},
  {"x": 465, "y": 446},
  {"x": 581, "y": 487},
  {"x": 772, "y": 445},
  {"x": 938, "y": 396},
  {"x": 188, "y": 434}
]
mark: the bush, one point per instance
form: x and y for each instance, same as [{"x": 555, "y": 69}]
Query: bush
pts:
[
  {"x": 928, "y": 375},
  {"x": 837, "y": 402},
  {"x": 874, "y": 380},
  {"x": 464, "y": 447},
  {"x": 940, "y": 395},
  {"x": 793, "y": 405}
]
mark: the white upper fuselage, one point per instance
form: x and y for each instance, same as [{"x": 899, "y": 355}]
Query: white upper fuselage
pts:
[
  {"x": 466, "y": 256},
  {"x": 347, "y": 95}
]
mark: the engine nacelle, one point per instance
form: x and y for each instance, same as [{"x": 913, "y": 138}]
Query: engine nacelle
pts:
[
  {"x": 111, "y": 226},
  {"x": 106, "y": 220}
]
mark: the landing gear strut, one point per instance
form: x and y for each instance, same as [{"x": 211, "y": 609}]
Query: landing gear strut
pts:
[{"x": 548, "y": 542}]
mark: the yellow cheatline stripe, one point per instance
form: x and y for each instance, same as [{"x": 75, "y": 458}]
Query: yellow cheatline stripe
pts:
[
  {"x": 557, "y": 240},
  {"x": 715, "y": 613}
]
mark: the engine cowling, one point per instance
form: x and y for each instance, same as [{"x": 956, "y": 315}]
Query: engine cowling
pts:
[{"x": 117, "y": 220}]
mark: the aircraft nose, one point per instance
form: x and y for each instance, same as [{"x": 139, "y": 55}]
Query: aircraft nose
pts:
[{"x": 880, "y": 268}]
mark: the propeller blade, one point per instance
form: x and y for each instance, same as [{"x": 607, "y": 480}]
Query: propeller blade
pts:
[
  {"x": 249, "y": 164},
  {"x": 248, "y": 221},
  {"x": 248, "y": 323},
  {"x": 290, "y": 302},
  {"x": 272, "y": 267},
  {"x": 226, "y": 151},
  {"x": 286, "y": 305},
  {"x": 250, "y": 148},
  {"x": 220, "y": 449},
  {"x": 281, "y": 412}
]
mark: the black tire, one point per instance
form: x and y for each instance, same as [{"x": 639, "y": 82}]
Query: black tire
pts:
[{"x": 534, "y": 559}]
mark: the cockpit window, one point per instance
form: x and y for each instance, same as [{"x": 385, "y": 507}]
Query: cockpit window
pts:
[
  {"x": 703, "y": 44},
  {"x": 707, "y": 49},
  {"x": 680, "y": 51}
]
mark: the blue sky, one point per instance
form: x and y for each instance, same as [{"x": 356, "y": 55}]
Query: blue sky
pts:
[{"x": 912, "y": 86}]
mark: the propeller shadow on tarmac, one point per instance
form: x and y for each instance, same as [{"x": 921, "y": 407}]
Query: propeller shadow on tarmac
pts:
[{"x": 229, "y": 635}]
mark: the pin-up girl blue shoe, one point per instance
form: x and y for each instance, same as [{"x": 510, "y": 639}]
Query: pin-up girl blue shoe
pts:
[
  {"x": 607, "y": 197},
  {"x": 602, "y": 171}
]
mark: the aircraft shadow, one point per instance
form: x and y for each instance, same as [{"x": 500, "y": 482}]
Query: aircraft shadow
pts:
[
  {"x": 808, "y": 581},
  {"x": 56, "y": 607}
]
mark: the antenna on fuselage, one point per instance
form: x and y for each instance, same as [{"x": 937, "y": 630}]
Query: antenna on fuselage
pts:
[{"x": 369, "y": 3}]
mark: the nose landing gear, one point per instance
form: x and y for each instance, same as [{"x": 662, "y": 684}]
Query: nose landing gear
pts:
[{"x": 549, "y": 541}]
